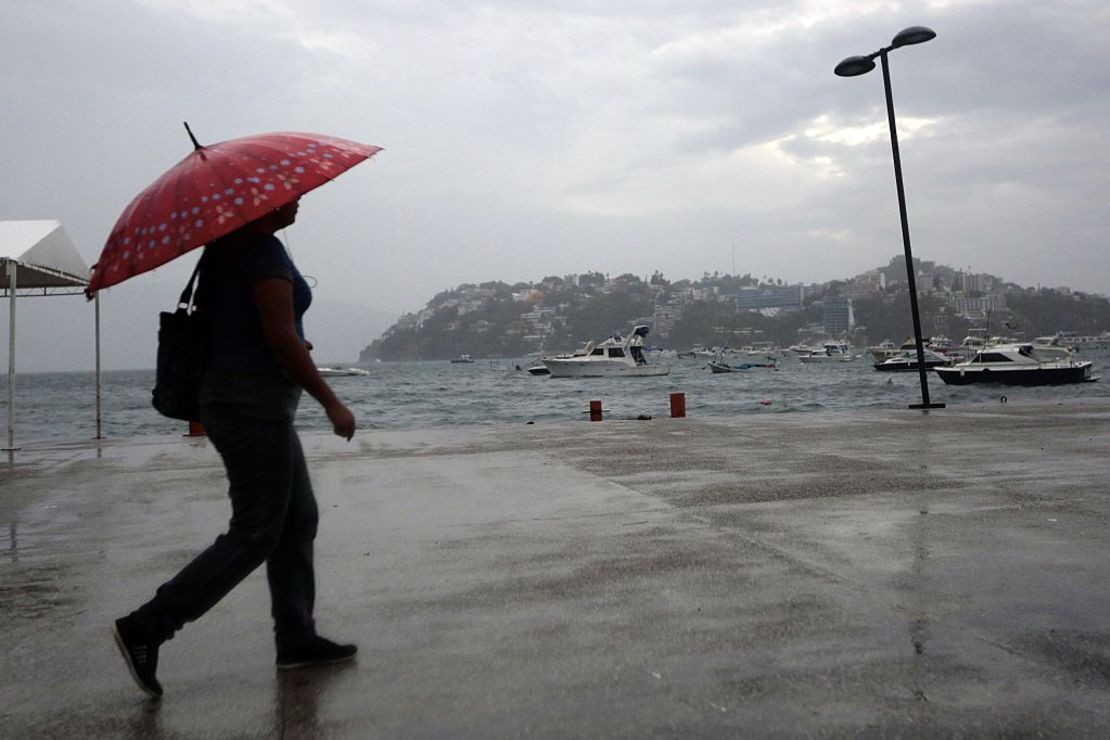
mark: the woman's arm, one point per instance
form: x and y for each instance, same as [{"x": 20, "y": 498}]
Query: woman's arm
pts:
[{"x": 273, "y": 297}]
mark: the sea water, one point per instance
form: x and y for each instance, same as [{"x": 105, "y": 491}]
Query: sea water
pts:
[{"x": 62, "y": 406}]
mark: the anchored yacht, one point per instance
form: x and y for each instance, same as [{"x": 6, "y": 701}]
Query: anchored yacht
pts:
[
  {"x": 616, "y": 356},
  {"x": 1018, "y": 364}
]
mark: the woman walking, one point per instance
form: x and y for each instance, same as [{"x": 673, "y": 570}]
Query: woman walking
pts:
[{"x": 254, "y": 299}]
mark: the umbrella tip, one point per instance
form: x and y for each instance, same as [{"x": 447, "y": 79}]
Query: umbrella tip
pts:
[{"x": 196, "y": 144}]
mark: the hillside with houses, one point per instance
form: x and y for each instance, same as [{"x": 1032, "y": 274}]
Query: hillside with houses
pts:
[{"x": 557, "y": 314}]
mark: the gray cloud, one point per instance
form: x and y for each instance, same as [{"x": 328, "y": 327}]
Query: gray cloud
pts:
[{"x": 525, "y": 139}]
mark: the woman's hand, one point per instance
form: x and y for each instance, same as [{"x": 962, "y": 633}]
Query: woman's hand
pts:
[{"x": 342, "y": 420}]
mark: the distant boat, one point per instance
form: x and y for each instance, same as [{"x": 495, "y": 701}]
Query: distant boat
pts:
[
  {"x": 831, "y": 352},
  {"x": 906, "y": 360},
  {"x": 884, "y": 350},
  {"x": 720, "y": 366},
  {"x": 462, "y": 359},
  {"x": 335, "y": 372}
]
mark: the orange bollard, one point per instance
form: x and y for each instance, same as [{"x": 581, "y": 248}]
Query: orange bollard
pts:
[
  {"x": 595, "y": 410},
  {"x": 196, "y": 429},
  {"x": 678, "y": 405}
]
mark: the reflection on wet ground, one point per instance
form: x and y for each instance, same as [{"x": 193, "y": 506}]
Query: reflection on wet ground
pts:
[
  {"x": 13, "y": 541},
  {"x": 837, "y": 574},
  {"x": 298, "y": 699}
]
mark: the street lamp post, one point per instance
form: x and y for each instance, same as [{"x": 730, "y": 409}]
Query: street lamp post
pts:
[{"x": 859, "y": 65}]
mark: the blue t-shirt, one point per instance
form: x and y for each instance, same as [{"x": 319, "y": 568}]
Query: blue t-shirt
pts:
[{"x": 228, "y": 271}]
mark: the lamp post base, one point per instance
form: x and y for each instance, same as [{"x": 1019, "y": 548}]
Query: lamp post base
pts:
[{"x": 926, "y": 406}]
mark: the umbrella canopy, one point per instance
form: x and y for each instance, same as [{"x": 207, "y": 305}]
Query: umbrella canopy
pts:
[{"x": 214, "y": 191}]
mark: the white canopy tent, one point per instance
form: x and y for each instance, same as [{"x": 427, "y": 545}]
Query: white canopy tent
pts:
[{"x": 47, "y": 264}]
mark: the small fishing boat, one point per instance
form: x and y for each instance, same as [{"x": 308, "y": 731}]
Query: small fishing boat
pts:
[{"x": 720, "y": 366}]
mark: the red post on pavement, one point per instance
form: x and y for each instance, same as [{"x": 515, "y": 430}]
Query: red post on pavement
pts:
[
  {"x": 196, "y": 429},
  {"x": 678, "y": 405},
  {"x": 595, "y": 410}
]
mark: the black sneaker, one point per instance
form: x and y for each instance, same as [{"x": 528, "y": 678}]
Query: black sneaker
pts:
[
  {"x": 318, "y": 651},
  {"x": 141, "y": 657}
]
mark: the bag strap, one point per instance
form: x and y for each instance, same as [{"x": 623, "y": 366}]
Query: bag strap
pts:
[{"x": 186, "y": 299}]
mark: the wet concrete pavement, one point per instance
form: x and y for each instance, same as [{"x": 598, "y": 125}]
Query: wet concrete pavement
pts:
[{"x": 879, "y": 573}]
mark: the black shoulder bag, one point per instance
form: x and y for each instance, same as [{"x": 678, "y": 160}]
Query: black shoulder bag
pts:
[{"x": 183, "y": 346}]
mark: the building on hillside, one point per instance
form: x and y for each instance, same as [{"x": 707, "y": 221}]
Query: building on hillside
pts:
[
  {"x": 664, "y": 318},
  {"x": 470, "y": 306},
  {"x": 839, "y": 318},
  {"x": 976, "y": 308},
  {"x": 923, "y": 280},
  {"x": 866, "y": 284},
  {"x": 407, "y": 321},
  {"x": 778, "y": 296},
  {"x": 538, "y": 321},
  {"x": 703, "y": 293},
  {"x": 538, "y": 314}
]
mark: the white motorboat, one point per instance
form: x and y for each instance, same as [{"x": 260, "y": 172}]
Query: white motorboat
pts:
[
  {"x": 335, "y": 372},
  {"x": 539, "y": 368},
  {"x": 906, "y": 360},
  {"x": 884, "y": 350},
  {"x": 887, "y": 349},
  {"x": 765, "y": 350},
  {"x": 940, "y": 343},
  {"x": 462, "y": 359},
  {"x": 615, "y": 357},
  {"x": 831, "y": 352},
  {"x": 1019, "y": 364}
]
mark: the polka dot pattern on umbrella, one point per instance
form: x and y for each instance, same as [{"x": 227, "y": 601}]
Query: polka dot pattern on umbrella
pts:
[{"x": 214, "y": 191}]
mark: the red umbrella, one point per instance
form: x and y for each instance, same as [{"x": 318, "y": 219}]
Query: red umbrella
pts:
[{"x": 214, "y": 191}]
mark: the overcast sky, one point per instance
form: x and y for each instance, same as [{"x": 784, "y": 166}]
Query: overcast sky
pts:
[{"x": 526, "y": 138}]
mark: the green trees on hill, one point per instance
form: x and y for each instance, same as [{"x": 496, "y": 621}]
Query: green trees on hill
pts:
[
  {"x": 599, "y": 317},
  {"x": 559, "y": 315},
  {"x": 888, "y": 316},
  {"x": 1043, "y": 312},
  {"x": 587, "y": 311}
]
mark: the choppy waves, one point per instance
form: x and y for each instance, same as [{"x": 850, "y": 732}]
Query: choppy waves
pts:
[{"x": 53, "y": 406}]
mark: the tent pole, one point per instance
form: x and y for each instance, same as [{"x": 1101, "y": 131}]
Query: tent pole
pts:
[
  {"x": 11, "y": 355},
  {"x": 97, "y": 315}
]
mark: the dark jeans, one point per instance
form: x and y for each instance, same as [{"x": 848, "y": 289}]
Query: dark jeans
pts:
[{"x": 273, "y": 520}]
